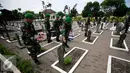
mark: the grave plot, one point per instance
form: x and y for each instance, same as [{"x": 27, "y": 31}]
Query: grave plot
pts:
[
  {"x": 113, "y": 27},
  {"x": 118, "y": 65},
  {"x": 104, "y": 26},
  {"x": 8, "y": 66},
  {"x": 117, "y": 31},
  {"x": 114, "y": 45},
  {"x": 12, "y": 39},
  {"x": 74, "y": 34},
  {"x": 92, "y": 25},
  {"x": 98, "y": 33},
  {"x": 48, "y": 47},
  {"x": 92, "y": 40},
  {"x": 115, "y": 35},
  {"x": 19, "y": 42},
  {"x": 71, "y": 60}
]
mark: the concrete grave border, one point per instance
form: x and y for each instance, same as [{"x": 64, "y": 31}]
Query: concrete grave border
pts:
[
  {"x": 11, "y": 41},
  {"x": 2, "y": 37},
  {"x": 112, "y": 47},
  {"x": 115, "y": 35},
  {"x": 110, "y": 61},
  {"x": 98, "y": 33},
  {"x": 13, "y": 68},
  {"x": 49, "y": 50},
  {"x": 76, "y": 64},
  {"x": 76, "y": 36},
  {"x": 112, "y": 28},
  {"x": 90, "y": 42}
]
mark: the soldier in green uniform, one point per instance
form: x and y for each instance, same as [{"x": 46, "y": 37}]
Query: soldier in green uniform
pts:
[
  {"x": 57, "y": 27},
  {"x": 67, "y": 27},
  {"x": 28, "y": 36},
  {"x": 47, "y": 27}
]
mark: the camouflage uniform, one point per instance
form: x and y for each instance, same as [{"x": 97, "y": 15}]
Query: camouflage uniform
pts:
[
  {"x": 57, "y": 28},
  {"x": 47, "y": 27},
  {"x": 28, "y": 33}
]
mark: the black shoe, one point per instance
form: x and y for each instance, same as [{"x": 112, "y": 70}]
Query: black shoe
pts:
[
  {"x": 49, "y": 41},
  {"x": 37, "y": 62},
  {"x": 67, "y": 46},
  {"x": 69, "y": 40},
  {"x": 58, "y": 40}
]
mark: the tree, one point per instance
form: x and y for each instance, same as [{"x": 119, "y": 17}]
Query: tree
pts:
[
  {"x": 121, "y": 11},
  {"x": 91, "y": 8},
  {"x": 87, "y": 9},
  {"x": 112, "y": 7},
  {"x": 96, "y": 8}
]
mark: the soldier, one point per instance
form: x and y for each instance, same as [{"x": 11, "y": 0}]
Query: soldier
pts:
[
  {"x": 47, "y": 27},
  {"x": 67, "y": 27},
  {"x": 57, "y": 27},
  {"x": 28, "y": 36}
]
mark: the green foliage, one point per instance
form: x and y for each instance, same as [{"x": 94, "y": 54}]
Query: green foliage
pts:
[
  {"x": 4, "y": 51},
  {"x": 91, "y": 8},
  {"x": 60, "y": 13},
  {"x": 24, "y": 66},
  {"x": 43, "y": 49},
  {"x": 114, "y": 7},
  {"x": 78, "y": 18},
  {"x": 67, "y": 60}
]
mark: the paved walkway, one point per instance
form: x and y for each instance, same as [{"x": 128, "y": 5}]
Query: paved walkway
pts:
[{"x": 94, "y": 62}]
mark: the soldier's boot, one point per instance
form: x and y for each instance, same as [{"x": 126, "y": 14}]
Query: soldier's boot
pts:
[
  {"x": 57, "y": 38},
  {"x": 66, "y": 45},
  {"x": 37, "y": 61}
]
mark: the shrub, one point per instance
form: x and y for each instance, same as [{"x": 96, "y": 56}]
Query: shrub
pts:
[
  {"x": 67, "y": 60},
  {"x": 24, "y": 66}
]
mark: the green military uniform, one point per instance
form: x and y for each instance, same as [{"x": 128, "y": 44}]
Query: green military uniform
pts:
[
  {"x": 67, "y": 28},
  {"x": 28, "y": 33},
  {"x": 47, "y": 27},
  {"x": 57, "y": 28}
]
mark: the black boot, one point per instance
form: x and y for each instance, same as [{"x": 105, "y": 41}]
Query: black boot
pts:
[{"x": 37, "y": 62}]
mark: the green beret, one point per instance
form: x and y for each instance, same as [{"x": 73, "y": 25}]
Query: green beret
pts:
[
  {"x": 68, "y": 19},
  {"x": 47, "y": 15},
  {"x": 29, "y": 15}
]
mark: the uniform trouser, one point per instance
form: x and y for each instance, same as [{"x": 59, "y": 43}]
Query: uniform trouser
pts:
[
  {"x": 57, "y": 33},
  {"x": 67, "y": 35},
  {"x": 33, "y": 53},
  {"x": 48, "y": 35}
]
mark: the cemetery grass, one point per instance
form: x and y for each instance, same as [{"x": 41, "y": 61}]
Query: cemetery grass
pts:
[
  {"x": 75, "y": 54},
  {"x": 120, "y": 66}
]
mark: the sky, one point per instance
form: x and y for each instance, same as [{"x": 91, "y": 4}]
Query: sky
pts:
[{"x": 36, "y": 5}]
